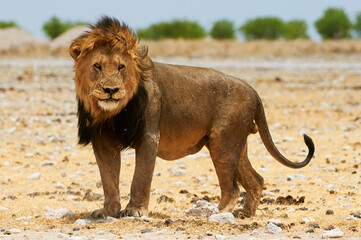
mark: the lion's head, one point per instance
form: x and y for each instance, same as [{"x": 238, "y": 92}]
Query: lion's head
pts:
[{"x": 109, "y": 66}]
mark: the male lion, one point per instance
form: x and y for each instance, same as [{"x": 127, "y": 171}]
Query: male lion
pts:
[{"x": 127, "y": 100}]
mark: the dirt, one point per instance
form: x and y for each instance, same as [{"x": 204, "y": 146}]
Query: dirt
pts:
[{"x": 42, "y": 169}]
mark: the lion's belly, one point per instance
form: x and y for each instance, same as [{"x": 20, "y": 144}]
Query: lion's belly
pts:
[{"x": 177, "y": 144}]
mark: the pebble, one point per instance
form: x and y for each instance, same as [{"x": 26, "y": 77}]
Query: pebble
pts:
[
  {"x": 272, "y": 228},
  {"x": 202, "y": 208},
  {"x": 82, "y": 222},
  {"x": 222, "y": 218},
  {"x": 220, "y": 237},
  {"x": 57, "y": 213},
  {"x": 308, "y": 220},
  {"x": 59, "y": 185},
  {"x": 175, "y": 172},
  {"x": 334, "y": 233},
  {"x": 180, "y": 183},
  {"x": 310, "y": 231},
  {"x": 180, "y": 229},
  {"x": 329, "y": 212},
  {"x": 14, "y": 230},
  {"x": 34, "y": 176},
  {"x": 146, "y": 230}
]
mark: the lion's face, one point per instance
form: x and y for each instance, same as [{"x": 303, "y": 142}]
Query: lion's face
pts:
[
  {"x": 107, "y": 70},
  {"x": 106, "y": 80}
]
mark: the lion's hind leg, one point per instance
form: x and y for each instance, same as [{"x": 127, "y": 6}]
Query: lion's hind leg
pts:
[
  {"x": 252, "y": 183},
  {"x": 225, "y": 155}
]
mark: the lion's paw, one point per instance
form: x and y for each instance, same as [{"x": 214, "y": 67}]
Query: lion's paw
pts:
[
  {"x": 242, "y": 213},
  {"x": 132, "y": 212},
  {"x": 102, "y": 213}
]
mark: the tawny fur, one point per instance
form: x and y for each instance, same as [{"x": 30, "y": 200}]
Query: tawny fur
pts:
[{"x": 127, "y": 100}]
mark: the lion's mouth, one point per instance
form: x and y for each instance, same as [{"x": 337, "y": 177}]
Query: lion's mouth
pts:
[{"x": 108, "y": 104}]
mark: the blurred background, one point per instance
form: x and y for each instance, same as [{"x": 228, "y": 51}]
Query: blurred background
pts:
[{"x": 41, "y": 27}]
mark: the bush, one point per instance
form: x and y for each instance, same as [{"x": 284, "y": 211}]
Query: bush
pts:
[
  {"x": 358, "y": 25},
  {"x": 295, "y": 29},
  {"x": 5, "y": 24},
  {"x": 334, "y": 24},
  {"x": 175, "y": 29},
  {"x": 263, "y": 28},
  {"x": 223, "y": 29},
  {"x": 54, "y": 27}
]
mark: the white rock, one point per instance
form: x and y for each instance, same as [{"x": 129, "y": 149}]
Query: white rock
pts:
[
  {"x": 220, "y": 237},
  {"x": 3, "y": 208},
  {"x": 14, "y": 230},
  {"x": 308, "y": 220},
  {"x": 202, "y": 209},
  {"x": 59, "y": 185},
  {"x": 180, "y": 183},
  {"x": 347, "y": 205},
  {"x": 275, "y": 221},
  {"x": 334, "y": 233},
  {"x": 272, "y": 228},
  {"x": 29, "y": 155},
  {"x": 175, "y": 172},
  {"x": 351, "y": 218},
  {"x": 80, "y": 173},
  {"x": 34, "y": 176},
  {"x": 268, "y": 193},
  {"x": 78, "y": 238},
  {"x": 82, "y": 222},
  {"x": 57, "y": 213},
  {"x": 331, "y": 187},
  {"x": 222, "y": 218},
  {"x": 349, "y": 127}
]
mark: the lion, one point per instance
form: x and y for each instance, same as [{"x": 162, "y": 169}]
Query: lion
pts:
[{"x": 125, "y": 100}]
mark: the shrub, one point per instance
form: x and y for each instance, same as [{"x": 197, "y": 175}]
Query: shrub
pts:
[
  {"x": 334, "y": 24},
  {"x": 358, "y": 25},
  {"x": 263, "y": 28},
  {"x": 6, "y": 24},
  {"x": 175, "y": 29},
  {"x": 295, "y": 29},
  {"x": 223, "y": 29},
  {"x": 54, "y": 27}
]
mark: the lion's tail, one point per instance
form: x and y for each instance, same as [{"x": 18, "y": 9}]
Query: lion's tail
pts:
[{"x": 262, "y": 125}]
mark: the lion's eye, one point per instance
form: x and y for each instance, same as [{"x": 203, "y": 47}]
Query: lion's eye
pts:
[
  {"x": 121, "y": 67},
  {"x": 97, "y": 66}
]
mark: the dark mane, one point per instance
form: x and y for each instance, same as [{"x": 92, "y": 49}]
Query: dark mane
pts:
[{"x": 127, "y": 127}]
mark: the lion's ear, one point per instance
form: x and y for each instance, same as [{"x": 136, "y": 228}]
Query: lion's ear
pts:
[{"x": 75, "y": 50}]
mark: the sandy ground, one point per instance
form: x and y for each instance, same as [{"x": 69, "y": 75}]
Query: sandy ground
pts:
[{"x": 42, "y": 169}]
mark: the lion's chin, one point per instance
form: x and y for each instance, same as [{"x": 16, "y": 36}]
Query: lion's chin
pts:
[{"x": 108, "y": 105}]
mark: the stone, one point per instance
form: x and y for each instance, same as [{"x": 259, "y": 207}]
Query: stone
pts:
[
  {"x": 176, "y": 172},
  {"x": 272, "y": 228},
  {"x": 334, "y": 233},
  {"x": 34, "y": 176},
  {"x": 82, "y": 222},
  {"x": 57, "y": 213},
  {"x": 220, "y": 237},
  {"x": 329, "y": 212},
  {"x": 222, "y": 218},
  {"x": 202, "y": 208},
  {"x": 146, "y": 230}
]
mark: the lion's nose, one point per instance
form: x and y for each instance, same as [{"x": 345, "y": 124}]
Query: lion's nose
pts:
[{"x": 111, "y": 91}]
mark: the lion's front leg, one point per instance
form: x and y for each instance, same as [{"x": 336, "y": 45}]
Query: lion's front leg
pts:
[
  {"x": 107, "y": 155},
  {"x": 142, "y": 179}
]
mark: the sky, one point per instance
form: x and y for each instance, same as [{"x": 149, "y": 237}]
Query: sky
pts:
[{"x": 31, "y": 14}]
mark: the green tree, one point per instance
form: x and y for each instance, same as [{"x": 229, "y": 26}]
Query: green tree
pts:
[
  {"x": 358, "y": 25},
  {"x": 263, "y": 28},
  {"x": 175, "y": 29},
  {"x": 223, "y": 29},
  {"x": 334, "y": 24},
  {"x": 295, "y": 29},
  {"x": 7, "y": 24},
  {"x": 54, "y": 27}
]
